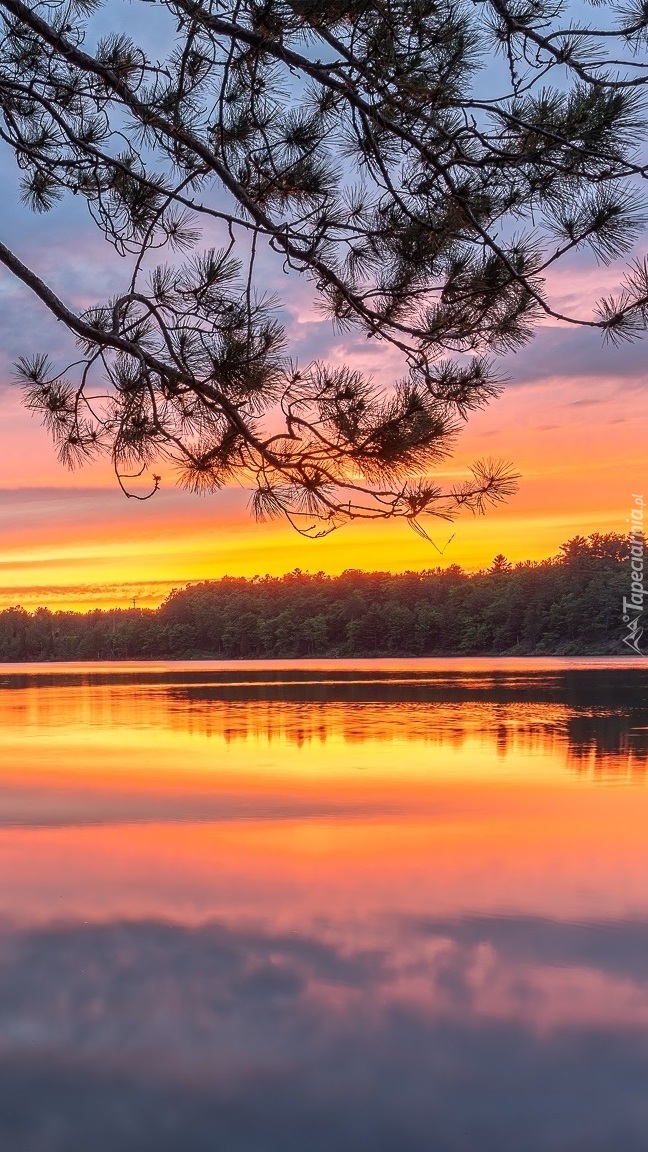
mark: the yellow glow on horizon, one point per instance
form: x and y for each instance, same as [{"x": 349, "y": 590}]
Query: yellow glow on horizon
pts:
[
  {"x": 74, "y": 547},
  {"x": 93, "y": 574}
]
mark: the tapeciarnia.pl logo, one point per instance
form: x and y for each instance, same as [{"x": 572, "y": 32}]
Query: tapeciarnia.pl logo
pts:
[{"x": 633, "y": 607}]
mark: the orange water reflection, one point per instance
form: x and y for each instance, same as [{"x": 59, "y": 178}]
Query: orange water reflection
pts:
[{"x": 208, "y": 876}]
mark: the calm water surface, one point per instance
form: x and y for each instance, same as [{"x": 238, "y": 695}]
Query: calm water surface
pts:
[{"x": 324, "y": 907}]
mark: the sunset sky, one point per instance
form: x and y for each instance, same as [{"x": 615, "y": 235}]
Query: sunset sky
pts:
[{"x": 572, "y": 420}]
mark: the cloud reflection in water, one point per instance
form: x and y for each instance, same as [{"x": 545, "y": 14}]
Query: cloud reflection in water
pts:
[{"x": 421, "y": 965}]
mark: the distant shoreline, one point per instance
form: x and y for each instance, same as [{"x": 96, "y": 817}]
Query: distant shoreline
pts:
[
  {"x": 374, "y": 657},
  {"x": 570, "y": 605}
]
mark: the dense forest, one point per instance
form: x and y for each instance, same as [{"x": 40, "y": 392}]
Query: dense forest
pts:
[{"x": 568, "y": 604}]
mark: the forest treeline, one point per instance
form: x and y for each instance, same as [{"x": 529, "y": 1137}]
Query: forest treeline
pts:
[{"x": 568, "y": 604}]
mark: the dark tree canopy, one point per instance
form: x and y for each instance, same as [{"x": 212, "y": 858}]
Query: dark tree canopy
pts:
[
  {"x": 421, "y": 163},
  {"x": 568, "y": 605}
]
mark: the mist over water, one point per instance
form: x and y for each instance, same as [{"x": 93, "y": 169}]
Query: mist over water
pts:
[{"x": 350, "y": 905}]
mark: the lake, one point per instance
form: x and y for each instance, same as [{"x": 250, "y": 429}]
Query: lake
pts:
[{"x": 324, "y": 906}]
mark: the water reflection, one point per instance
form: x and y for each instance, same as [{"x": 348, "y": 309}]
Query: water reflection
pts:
[
  {"x": 167, "y": 1037},
  {"x": 397, "y": 911}
]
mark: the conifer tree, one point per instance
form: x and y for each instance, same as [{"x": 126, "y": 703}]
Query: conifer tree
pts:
[{"x": 421, "y": 165}]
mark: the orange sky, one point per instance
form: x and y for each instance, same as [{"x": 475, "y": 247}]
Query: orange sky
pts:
[
  {"x": 71, "y": 540},
  {"x": 572, "y": 420}
]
